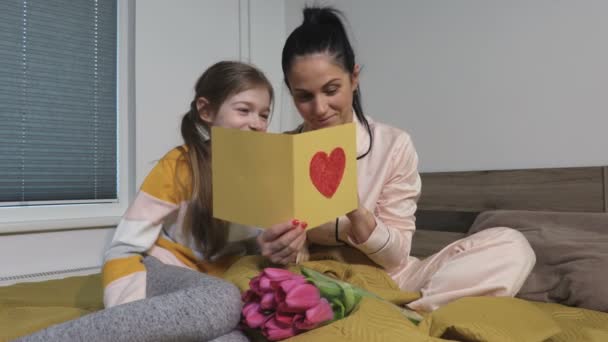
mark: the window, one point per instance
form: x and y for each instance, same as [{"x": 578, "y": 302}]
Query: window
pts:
[{"x": 62, "y": 135}]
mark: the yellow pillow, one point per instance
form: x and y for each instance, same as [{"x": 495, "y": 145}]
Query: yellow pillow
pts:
[{"x": 496, "y": 319}]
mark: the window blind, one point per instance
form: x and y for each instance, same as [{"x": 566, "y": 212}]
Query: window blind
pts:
[{"x": 58, "y": 111}]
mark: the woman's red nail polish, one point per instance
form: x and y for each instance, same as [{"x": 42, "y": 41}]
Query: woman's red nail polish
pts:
[
  {"x": 295, "y": 222},
  {"x": 304, "y": 225}
]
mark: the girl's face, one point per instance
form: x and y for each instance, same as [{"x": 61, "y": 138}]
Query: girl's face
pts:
[
  {"x": 322, "y": 91},
  {"x": 248, "y": 111}
]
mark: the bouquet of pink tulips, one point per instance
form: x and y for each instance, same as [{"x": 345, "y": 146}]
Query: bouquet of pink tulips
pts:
[{"x": 281, "y": 304}]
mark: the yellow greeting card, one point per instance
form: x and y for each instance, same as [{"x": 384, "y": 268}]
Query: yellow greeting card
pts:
[{"x": 261, "y": 179}]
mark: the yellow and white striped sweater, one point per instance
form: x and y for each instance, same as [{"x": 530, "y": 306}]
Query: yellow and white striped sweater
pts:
[{"x": 153, "y": 225}]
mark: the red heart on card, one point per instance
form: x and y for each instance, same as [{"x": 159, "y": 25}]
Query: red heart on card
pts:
[{"x": 326, "y": 172}]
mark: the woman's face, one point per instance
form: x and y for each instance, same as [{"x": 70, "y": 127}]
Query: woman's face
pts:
[
  {"x": 248, "y": 111},
  {"x": 322, "y": 91}
]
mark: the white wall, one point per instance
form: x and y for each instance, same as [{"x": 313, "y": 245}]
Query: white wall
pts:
[
  {"x": 485, "y": 84},
  {"x": 25, "y": 254},
  {"x": 176, "y": 41},
  {"x": 267, "y": 28}
]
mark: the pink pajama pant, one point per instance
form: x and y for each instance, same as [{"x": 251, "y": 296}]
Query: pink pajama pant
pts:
[{"x": 493, "y": 262}]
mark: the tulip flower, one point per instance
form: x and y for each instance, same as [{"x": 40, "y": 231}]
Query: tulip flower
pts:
[
  {"x": 276, "y": 331},
  {"x": 282, "y": 304},
  {"x": 302, "y": 297},
  {"x": 320, "y": 313},
  {"x": 253, "y": 316}
]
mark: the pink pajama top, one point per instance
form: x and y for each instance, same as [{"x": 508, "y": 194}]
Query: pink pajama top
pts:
[{"x": 389, "y": 186}]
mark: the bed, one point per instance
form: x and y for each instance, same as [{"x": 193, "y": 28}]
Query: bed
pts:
[{"x": 563, "y": 212}]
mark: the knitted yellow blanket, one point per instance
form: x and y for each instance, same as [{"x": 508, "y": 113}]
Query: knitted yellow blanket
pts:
[
  {"x": 28, "y": 307},
  {"x": 468, "y": 319}
]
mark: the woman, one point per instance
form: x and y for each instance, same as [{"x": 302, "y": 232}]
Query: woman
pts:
[{"x": 323, "y": 78}]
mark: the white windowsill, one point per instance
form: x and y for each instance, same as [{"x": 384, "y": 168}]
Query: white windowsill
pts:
[{"x": 58, "y": 224}]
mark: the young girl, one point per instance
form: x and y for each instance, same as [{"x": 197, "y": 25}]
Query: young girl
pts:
[
  {"x": 323, "y": 78},
  {"x": 156, "y": 286}
]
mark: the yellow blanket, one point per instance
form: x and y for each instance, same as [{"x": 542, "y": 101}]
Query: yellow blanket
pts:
[
  {"x": 25, "y": 308},
  {"x": 468, "y": 319},
  {"x": 29, "y": 307}
]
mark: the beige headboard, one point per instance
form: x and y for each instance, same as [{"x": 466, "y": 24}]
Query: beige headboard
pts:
[{"x": 451, "y": 201}]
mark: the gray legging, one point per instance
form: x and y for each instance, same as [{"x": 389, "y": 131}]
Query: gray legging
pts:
[{"x": 182, "y": 305}]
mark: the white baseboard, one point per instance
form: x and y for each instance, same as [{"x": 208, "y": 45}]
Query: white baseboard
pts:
[{"x": 52, "y": 255}]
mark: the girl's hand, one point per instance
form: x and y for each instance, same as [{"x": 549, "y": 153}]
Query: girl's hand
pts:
[{"x": 282, "y": 242}]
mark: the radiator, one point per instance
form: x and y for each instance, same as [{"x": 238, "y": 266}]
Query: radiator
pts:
[{"x": 43, "y": 276}]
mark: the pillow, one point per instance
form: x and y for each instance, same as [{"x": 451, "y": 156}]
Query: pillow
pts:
[
  {"x": 571, "y": 254},
  {"x": 496, "y": 319}
]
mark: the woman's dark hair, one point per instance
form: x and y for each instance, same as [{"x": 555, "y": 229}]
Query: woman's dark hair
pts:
[{"x": 322, "y": 31}]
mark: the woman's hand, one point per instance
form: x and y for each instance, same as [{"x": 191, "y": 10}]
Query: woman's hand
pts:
[
  {"x": 362, "y": 224},
  {"x": 282, "y": 242}
]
